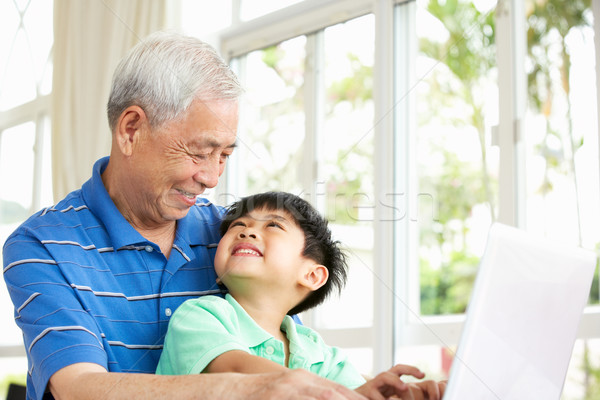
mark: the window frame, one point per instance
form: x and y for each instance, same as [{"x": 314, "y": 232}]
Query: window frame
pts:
[
  {"x": 36, "y": 111},
  {"x": 392, "y": 255}
]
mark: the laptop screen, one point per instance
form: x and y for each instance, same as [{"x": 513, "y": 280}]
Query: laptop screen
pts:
[{"x": 522, "y": 318}]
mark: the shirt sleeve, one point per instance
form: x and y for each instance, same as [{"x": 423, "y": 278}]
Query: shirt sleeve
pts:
[
  {"x": 327, "y": 361},
  {"x": 338, "y": 369},
  {"x": 57, "y": 331},
  {"x": 199, "y": 331}
]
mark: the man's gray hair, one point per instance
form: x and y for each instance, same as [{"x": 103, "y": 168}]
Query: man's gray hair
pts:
[{"x": 164, "y": 73}]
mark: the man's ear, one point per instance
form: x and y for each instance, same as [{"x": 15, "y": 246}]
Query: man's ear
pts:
[
  {"x": 129, "y": 128},
  {"x": 315, "y": 277}
]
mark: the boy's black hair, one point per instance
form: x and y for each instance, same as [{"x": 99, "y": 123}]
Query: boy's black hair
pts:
[{"x": 318, "y": 244}]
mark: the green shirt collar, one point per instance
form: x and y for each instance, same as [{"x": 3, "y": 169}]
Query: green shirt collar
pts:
[{"x": 301, "y": 352}]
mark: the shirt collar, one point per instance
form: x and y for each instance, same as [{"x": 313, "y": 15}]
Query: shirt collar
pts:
[
  {"x": 121, "y": 233},
  {"x": 302, "y": 347},
  {"x": 254, "y": 334},
  {"x": 100, "y": 204}
]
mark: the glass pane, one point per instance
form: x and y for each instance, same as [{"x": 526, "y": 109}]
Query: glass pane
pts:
[
  {"x": 26, "y": 66},
  {"x": 38, "y": 23},
  {"x": 347, "y": 165},
  {"x": 562, "y": 131},
  {"x": 362, "y": 359},
  {"x": 16, "y": 174},
  {"x": 582, "y": 380},
  {"x": 272, "y": 123},
  {"x": 18, "y": 85},
  {"x": 12, "y": 370},
  {"x": 434, "y": 360},
  {"x": 456, "y": 105},
  {"x": 561, "y": 146},
  {"x": 9, "y": 24},
  {"x": 202, "y": 17},
  {"x": 251, "y": 9},
  {"x": 16, "y": 171}
]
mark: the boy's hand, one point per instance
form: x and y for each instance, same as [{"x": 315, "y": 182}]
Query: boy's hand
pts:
[
  {"x": 388, "y": 384},
  {"x": 424, "y": 390}
]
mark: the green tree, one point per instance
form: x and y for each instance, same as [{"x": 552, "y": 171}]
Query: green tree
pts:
[
  {"x": 465, "y": 61},
  {"x": 469, "y": 54},
  {"x": 549, "y": 22}
]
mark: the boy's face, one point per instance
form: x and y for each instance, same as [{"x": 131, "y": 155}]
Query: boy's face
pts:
[{"x": 264, "y": 246}]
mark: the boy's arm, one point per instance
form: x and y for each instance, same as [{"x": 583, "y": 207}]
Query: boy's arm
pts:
[{"x": 240, "y": 361}]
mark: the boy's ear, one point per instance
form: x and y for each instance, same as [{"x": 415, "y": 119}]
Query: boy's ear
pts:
[{"x": 315, "y": 277}]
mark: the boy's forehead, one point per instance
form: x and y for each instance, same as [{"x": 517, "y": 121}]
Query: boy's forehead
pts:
[
  {"x": 264, "y": 213},
  {"x": 269, "y": 213}
]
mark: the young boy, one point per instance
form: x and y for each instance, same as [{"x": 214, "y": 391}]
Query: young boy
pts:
[{"x": 277, "y": 258}]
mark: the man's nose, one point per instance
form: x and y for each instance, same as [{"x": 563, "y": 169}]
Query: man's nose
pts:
[{"x": 209, "y": 172}]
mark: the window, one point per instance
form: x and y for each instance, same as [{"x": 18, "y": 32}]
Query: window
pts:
[
  {"x": 412, "y": 125},
  {"x": 310, "y": 133},
  {"x": 25, "y": 82},
  {"x": 469, "y": 164},
  {"x": 405, "y": 141},
  {"x": 561, "y": 151}
]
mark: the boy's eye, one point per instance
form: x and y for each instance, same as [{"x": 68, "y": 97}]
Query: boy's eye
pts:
[
  {"x": 237, "y": 223},
  {"x": 275, "y": 224}
]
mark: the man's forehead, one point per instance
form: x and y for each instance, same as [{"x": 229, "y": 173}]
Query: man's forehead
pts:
[{"x": 215, "y": 141}]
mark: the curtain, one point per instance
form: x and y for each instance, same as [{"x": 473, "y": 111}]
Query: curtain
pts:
[{"x": 90, "y": 37}]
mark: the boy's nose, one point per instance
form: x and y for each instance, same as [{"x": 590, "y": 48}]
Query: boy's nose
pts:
[{"x": 243, "y": 234}]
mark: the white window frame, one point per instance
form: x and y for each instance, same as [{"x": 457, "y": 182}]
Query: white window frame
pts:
[
  {"x": 36, "y": 111},
  {"x": 305, "y": 18},
  {"x": 415, "y": 330},
  {"x": 393, "y": 258}
]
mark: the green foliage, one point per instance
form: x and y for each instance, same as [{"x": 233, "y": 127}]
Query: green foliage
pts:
[
  {"x": 357, "y": 88},
  {"x": 457, "y": 189},
  {"x": 469, "y": 50},
  {"x": 465, "y": 59},
  {"x": 595, "y": 290},
  {"x": 20, "y": 379},
  {"x": 549, "y": 22},
  {"x": 271, "y": 56},
  {"x": 447, "y": 290}
]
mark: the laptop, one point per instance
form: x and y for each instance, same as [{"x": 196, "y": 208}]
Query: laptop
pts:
[{"x": 522, "y": 319}]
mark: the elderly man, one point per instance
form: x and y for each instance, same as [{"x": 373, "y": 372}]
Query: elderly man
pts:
[{"x": 95, "y": 278}]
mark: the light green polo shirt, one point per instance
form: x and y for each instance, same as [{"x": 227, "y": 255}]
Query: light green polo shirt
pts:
[{"x": 201, "y": 329}]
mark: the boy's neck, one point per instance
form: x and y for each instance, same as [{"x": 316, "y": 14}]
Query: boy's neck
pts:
[{"x": 264, "y": 311}]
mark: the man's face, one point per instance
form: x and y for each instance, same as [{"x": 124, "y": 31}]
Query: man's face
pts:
[
  {"x": 263, "y": 247},
  {"x": 180, "y": 159}
]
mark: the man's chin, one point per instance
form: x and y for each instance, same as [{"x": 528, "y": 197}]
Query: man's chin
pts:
[{"x": 174, "y": 214}]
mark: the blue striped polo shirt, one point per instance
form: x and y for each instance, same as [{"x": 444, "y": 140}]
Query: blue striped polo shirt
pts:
[{"x": 87, "y": 287}]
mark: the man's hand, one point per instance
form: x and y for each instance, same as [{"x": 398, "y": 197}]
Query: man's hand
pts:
[
  {"x": 389, "y": 385},
  {"x": 297, "y": 384}
]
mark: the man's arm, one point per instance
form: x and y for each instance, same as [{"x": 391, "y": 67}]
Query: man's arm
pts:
[{"x": 91, "y": 381}]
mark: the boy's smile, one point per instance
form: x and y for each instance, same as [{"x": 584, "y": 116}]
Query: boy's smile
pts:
[
  {"x": 264, "y": 247},
  {"x": 246, "y": 250}
]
